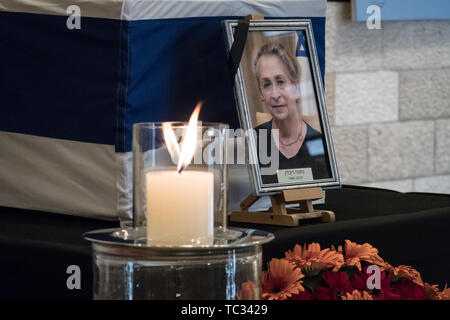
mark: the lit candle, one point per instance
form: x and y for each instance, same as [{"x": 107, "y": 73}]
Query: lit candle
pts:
[{"x": 180, "y": 208}]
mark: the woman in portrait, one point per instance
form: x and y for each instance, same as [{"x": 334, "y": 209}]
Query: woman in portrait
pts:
[{"x": 298, "y": 144}]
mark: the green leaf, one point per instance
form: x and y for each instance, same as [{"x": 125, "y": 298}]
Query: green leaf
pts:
[
  {"x": 312, "y": 282},
  {"x": 349, "y": 270}
]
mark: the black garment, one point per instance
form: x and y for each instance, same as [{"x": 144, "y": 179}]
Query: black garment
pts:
[{"x": 307, "y": 157}]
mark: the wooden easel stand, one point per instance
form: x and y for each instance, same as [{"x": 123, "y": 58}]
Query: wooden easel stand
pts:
[{"x": 278, "y": 214}]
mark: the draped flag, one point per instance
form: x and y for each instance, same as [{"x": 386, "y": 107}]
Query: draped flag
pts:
[
  {"x": 73, "y": 84},
  {"x": 308, "y": 98}
]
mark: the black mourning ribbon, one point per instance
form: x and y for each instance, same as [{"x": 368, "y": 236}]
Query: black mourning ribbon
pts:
[{"x": 235, "y": 55}]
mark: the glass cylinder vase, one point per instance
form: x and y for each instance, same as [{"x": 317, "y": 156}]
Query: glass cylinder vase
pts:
[{"x": 180, "y": 179}]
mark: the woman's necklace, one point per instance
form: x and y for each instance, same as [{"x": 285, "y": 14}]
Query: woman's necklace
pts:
[{"x": 300, "y": 136}]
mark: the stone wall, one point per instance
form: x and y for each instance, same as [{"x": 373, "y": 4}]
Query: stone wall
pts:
[{"x": 388, "y": 98}]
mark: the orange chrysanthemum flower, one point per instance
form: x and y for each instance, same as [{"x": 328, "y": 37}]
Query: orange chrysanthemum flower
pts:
[
  {"x": 357, "y": 295},
  {"x": 431, "y": 291},
  {"x": 355, "y": 253},
  {"x": 408, "y": 273},
  {"x": 444, "y": 294},
  {"x": 281, "y": 280},
  {"x": 247, "y": 292},
  {"x": 314, "y": 259},
  {"x": 381, "y": 263}
]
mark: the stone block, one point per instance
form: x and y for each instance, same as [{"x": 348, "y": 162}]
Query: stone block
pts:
[
  {"x": 401, "y": 150},
  {"x": 416, "y": 44},
  {"x": 329, "y": 95},
  {"x": 442, "y": 164},
  {"x": 366, "y": 97},
  {"x": 350, "y": 46},
  {"x": 396, "y": 185},
  {"x": 350, "y": 143},
  {"x": 424, "y": 94},
  {"x": 434, "y": 184}
]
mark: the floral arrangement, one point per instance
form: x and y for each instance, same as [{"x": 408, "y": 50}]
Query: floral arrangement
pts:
[{"x": 343, "y": 273}]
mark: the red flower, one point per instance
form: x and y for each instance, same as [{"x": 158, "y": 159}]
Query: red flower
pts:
[
  {"x": 359, "y": 281},
  {"x": 304, "y": 295},
  {"x": 409, "y": 290},
  {"x": 337, "y": 285}
]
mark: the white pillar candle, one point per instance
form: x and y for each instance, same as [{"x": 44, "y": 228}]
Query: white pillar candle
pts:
[{"x": 180, "y": 207}]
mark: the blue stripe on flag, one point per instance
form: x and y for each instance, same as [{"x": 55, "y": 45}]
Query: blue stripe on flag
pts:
[
  {"x": 93, "y": 84},
  {"x": 56, "y": 82},
  {"x": 302, "y": 49}
]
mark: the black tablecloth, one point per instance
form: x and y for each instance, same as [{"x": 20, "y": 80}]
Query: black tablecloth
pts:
[{"x": 410, "y": 229}]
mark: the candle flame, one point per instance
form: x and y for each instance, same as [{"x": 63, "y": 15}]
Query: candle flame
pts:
[
  {"x": 171, "y": 142},
  {"x": 189, "y": 140},
  {"x": 188, "y": 144}
]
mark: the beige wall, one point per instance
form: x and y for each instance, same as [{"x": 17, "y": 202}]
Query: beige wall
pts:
[{"x": 388, "y": 97}]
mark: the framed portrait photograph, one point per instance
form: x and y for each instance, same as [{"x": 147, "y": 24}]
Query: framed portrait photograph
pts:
[{"x": 281, "y": 107}]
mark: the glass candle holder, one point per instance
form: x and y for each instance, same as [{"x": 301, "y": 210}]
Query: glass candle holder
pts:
[
  {"x": 132, "y": 270},
  {"x": 180, "y": 179}
]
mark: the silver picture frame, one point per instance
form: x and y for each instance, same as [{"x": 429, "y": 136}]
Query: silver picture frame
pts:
[{"x": 279, "y": 26}]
